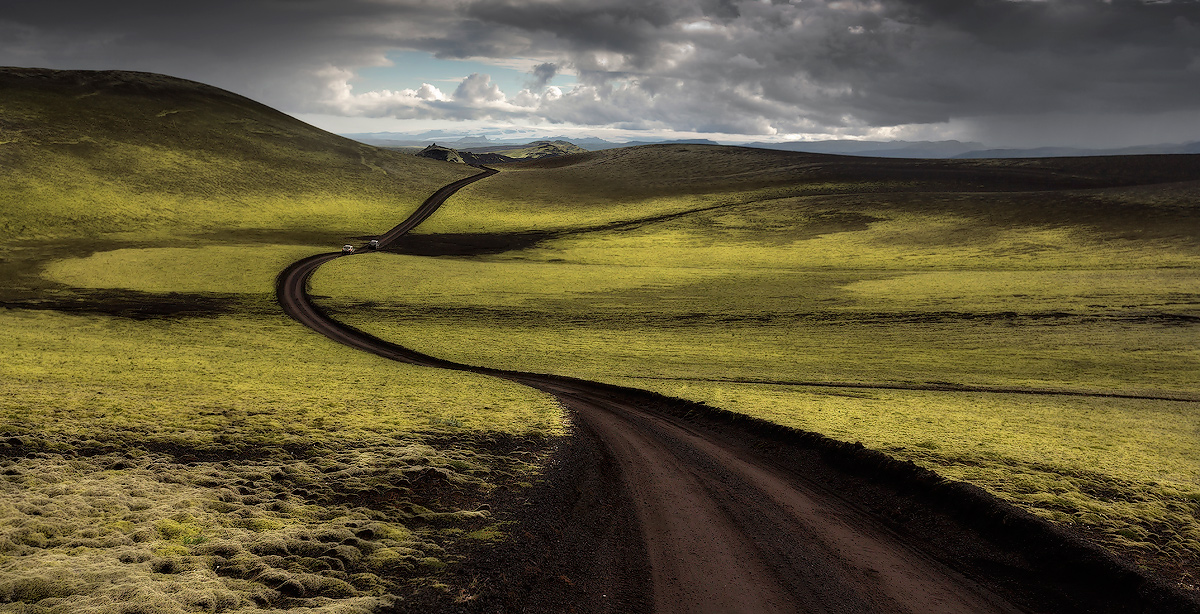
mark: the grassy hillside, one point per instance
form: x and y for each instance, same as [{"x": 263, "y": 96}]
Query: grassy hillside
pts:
[
  {"x": 870, "y": 300},
  {"x": 634, "y": 183},
  {"x": 95, "y": 152},
  {"x": 169, "y": 440}
]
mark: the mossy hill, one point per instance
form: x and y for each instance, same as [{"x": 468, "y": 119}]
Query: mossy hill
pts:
[
  {"x": 92, "y": 152},
  {"x": 500, "y": 154},
  {"x": 445, "y": 154},
  {"x": 532, "y": 151}
]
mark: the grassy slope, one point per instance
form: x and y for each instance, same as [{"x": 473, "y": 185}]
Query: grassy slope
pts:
[
  {"x": 88, "y": 153},
  {"x": 189, "y": 463},
  {"x": 1069, "y": 274},
  {"x": 622, "y": 184}
]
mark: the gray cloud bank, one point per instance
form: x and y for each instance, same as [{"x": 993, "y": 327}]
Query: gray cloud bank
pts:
[{"x": 1075, "y": 69}]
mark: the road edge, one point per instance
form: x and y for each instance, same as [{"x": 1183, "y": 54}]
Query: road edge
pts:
[{"x": 1072, "y": 561}]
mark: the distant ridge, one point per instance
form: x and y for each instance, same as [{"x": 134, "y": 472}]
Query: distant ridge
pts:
[
  {"x": 445, "y": 154},
  {"x": 959, "y": 149},
  {"x": 534, "y": 150},
  {"x": 873, "y": 149},
  {"x": 499, "y": 154},
  {"x": 878, "y": 149},
  {"x": 1064, "y": 152}
]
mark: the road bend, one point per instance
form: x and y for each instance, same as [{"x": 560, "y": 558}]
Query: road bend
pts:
[{"x": 725, "y": 531}]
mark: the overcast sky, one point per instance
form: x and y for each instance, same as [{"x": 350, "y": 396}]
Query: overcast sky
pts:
[{"x": 1009, "y": 73}]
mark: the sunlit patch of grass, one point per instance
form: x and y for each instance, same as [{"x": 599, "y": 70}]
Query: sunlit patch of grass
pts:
[
  {"x": 413, "y": 280},
  {"x": 1124, "y": 291},
  {"x": 492, "y": 532},
  {"x": 209, "y": 268},
  {"x": 869, "y": 232},
  {"x": 476, "y": 210},
  {"x": 602, "y": 321},
  {"x": 233, "y": 383}
]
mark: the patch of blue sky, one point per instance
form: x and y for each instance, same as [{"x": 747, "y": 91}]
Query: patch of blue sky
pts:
[{"x": 410, "y": 69}]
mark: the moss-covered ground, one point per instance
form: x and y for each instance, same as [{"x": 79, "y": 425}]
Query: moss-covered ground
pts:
[
  {"x": 861, "y": 311},
  {"x": 234, "y": 462},
  {"x": 169, "y": 440}
]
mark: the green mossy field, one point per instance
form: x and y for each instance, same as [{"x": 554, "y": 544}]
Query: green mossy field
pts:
[
  {"x": 169, "y": 440},
  {"x": 923, "y": 308},
  {"x": 149, "y": 157}
]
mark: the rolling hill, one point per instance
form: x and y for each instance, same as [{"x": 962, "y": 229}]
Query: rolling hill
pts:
[
  {"x": 88, "y": 152},
  {"x": 500, "y": 154}
]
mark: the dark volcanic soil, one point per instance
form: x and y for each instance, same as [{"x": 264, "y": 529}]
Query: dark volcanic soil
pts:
[{"x": 574, "y": 546}]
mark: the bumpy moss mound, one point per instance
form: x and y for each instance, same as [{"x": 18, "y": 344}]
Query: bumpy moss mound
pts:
[{"x": 341, "y": 531}]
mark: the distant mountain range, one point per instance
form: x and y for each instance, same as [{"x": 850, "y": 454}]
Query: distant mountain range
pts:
[{"x": 876, "y": 149}]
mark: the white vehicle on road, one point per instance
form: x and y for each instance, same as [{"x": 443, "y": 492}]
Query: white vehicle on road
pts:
[
  {"x": 374, "y": 244},
  {"x": 347, "y": 249}
]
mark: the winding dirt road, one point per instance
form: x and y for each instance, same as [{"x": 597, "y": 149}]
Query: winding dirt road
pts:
[
  {"x": 726, "y": 529},
  {"x": 726, "y": 532}
]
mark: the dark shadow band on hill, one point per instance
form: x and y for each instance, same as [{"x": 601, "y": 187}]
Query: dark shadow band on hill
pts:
[
  {"x": 937, "y": 387},
  {"x": 143, "y": 305},
  {"x": 598, "y": 318},
  {"x": 469, "y": 244}
]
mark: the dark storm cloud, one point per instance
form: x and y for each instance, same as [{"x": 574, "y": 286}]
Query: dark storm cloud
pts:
[
  {"x": 892, "y": 61},
  {"x": 254, "y": 47},
  {"x": 543, "y": 73},
  {"x": 705, "y": 65}
]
